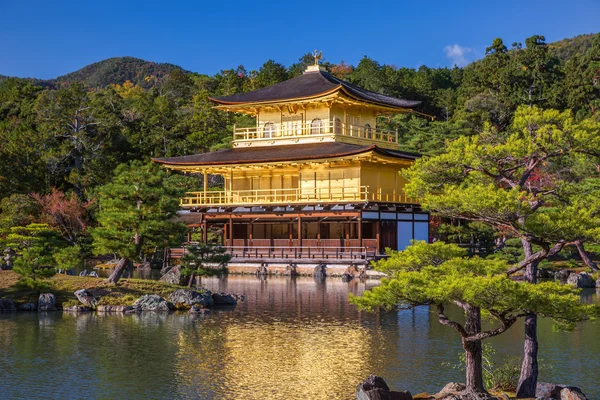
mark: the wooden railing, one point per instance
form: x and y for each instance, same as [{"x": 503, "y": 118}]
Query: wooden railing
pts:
[
  {"x": 293, "y": 196},
  {"x": 271, "y": 131}
]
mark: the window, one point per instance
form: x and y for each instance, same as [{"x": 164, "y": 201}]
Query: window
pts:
[
  {"x": 368, "y": 132},
  {"x": 269, "y": 130},
  {"x": 337, "y": 126},
  {"x": 316, "y": 127}
]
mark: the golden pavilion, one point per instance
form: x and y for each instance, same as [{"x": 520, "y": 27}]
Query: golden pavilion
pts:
[{"x": 315, "y": 178}]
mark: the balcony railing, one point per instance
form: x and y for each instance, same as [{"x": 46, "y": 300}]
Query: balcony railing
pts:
[
  {"x": 315, "y": 129},
  {"x": 293, "y": 196}
]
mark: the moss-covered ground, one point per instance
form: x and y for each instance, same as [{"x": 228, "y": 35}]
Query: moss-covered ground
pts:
[{"x": 63, "y": 287}]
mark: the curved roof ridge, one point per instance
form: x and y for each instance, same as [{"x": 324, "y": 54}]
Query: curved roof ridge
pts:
[
  {"x": 308, "y": 85},
  {"x": 282, "y": 153}
]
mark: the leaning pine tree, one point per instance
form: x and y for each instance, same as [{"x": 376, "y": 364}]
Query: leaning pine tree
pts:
[
  {"x": 135, "y": 215},
  {"x": 515, "y": 182},
  {"x": 437, "y": 275}
]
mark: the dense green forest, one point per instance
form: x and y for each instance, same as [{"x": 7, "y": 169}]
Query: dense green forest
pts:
[{"x": 69, "y": 134}]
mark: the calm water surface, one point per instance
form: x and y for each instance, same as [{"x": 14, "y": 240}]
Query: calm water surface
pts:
[{"x": 291, "y": 339}]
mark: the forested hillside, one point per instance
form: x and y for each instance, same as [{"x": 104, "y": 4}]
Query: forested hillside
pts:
[
  {"x": 72, "y": 132},
  {"x": 118, "y": 70}
]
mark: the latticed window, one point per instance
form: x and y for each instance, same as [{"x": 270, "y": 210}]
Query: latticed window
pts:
[
  {"x": 368, "y": 131},
  {"x": 337, "y": 126},
  {"x": 269, "y": 130},
  {"x": 316, "y": 126}
]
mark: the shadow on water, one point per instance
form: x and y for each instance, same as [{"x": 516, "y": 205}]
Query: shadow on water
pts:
[{"x": 293, "y": 338}]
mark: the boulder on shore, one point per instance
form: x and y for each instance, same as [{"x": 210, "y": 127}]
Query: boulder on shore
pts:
[
  {"x": 224, "y": 299},
  {"x": 561, "y": 392},
  {"x": 375, "y": 388},
  {"x": 173, "y": 276},
  {"x": 86, "y": 298},
  {"x": 152, "y": 302},
  {"x": 582, "y": 280},
  {"x": 189, "y": 297},
  {"x": 47, "y": 302},
  {"x": 7, "y": 305}
]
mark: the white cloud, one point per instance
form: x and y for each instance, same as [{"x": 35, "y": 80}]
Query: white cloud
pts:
[{"x": 458, "y": 54}]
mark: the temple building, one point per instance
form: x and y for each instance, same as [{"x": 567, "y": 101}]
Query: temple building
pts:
[{"x": 315, "y": 178}]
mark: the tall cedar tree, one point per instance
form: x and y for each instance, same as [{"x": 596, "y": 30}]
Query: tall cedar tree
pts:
[
  {"x": 437, "y": 275},
  {"x": 135, "y": 215},
  {"x": 507, "y": 180}
]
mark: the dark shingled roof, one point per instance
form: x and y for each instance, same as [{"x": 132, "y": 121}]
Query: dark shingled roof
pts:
[
  {"x": 311, "y": 84},
  {"x": 283, "y": 153}
]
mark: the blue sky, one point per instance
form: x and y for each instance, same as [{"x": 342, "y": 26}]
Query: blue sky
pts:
[{"x": 45, "y": 39}]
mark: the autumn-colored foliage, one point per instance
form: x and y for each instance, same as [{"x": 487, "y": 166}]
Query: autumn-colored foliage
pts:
[{"x": 69, "y": 215}]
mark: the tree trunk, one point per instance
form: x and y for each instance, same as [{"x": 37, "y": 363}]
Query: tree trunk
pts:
[
  {"x": 119, "y": 269},
  {"x": 529, "y": 368},
  {"x": 473, "y": 352},
  {"x": 585, "y": 257}
]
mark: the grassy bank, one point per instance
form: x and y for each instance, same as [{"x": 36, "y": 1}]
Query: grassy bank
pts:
[{"x": 63, "y": 286}]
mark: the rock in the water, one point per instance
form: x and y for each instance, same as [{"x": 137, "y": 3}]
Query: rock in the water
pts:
[
  {"x": 173, "y": 276},
  {"x": 83, "y": 273},
  {"x": 189, "y": 297},
  {"x": 152, "y": 302},
  {"x": 347, "y": 278},
  {"x": 582, "y": 280},
  {"x": 86, "y": 298},
  {"x": 116, "y": 309},
  {"x": 197, "y": 310},
  {"x": 563, "y": 275},
  {"x": 320, "y": 271},
  {"x": 224, "y": 299},
  {"x": 77, "y": 309},
  {"x": 27, "y": 307},
  {"x": 7, "y": 305},
  {"x": 94, "y": 274},
  {"x": 291, "y": 270},
  {"x": 375, "y": 388},
  {"x": 47, "y": 302},
  {"x": 262, "y": 270},
  {"x": 354, "y": 272}
]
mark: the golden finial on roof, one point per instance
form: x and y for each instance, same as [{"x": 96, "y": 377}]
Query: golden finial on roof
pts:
[{"x": 317, "y": 55}]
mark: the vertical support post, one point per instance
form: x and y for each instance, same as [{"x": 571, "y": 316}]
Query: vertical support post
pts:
[
  {"x": 377, "y": 235},
  {"x": 396, "y": 135},
  {"x": 205, "y": 232},
  {"x": 231, "y": 228},
  {"x": 225, "y": 235},
  {"x": 205, "y": 175},
  {"x": 299, "y": 231},
  {"x": 360, "y": 236},
  {"x": 231, "y": 185},
  {"x": 319, "y": 233}
]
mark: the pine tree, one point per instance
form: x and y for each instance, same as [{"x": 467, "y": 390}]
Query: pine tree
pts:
[
  {"x": 136, "y": 215},
  {"x": 437, "y": 275}
]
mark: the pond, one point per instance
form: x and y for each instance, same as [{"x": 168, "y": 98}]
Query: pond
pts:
[{"x": 292, "y": 338}]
